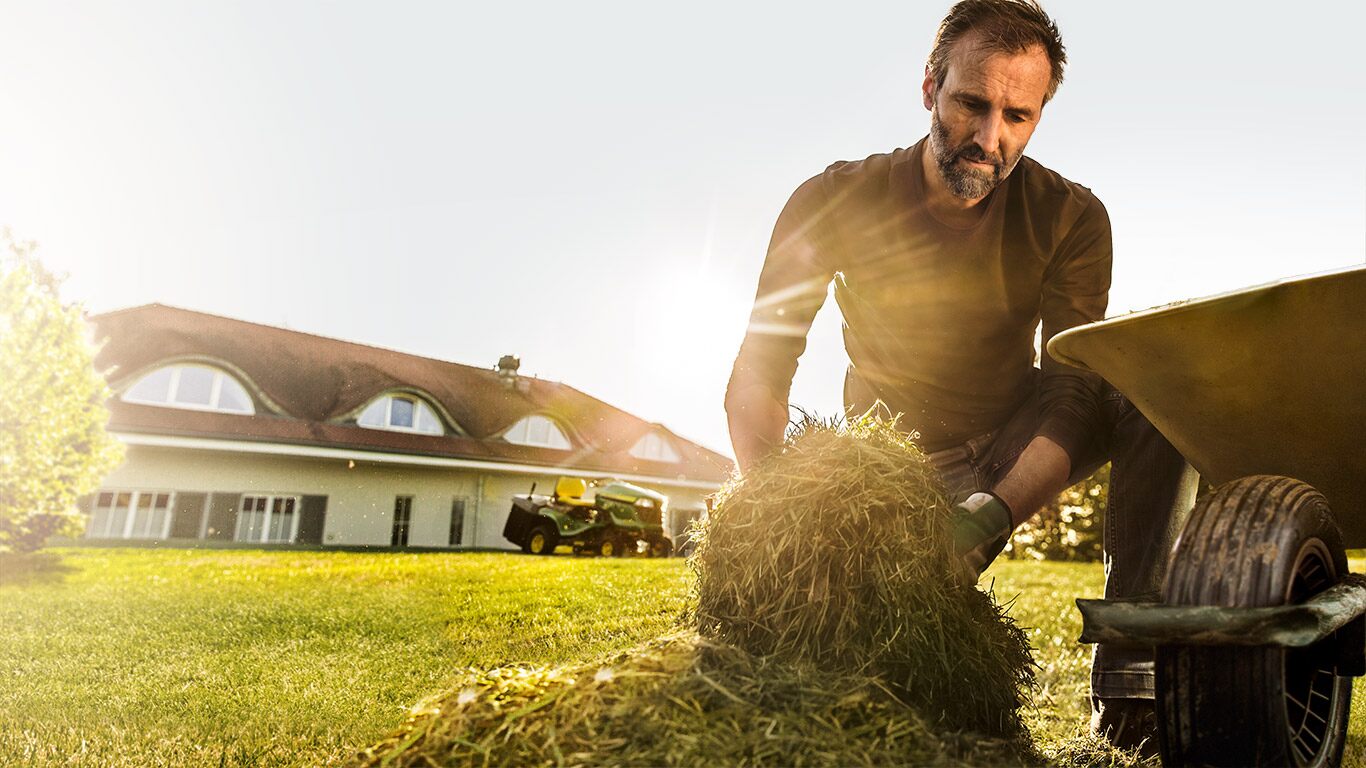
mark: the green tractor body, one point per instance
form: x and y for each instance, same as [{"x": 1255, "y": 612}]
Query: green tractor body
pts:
[{"x": 619, "y": 519}]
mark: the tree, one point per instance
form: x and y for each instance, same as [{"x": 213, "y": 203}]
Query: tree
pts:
[{"x": 53, "y": 444}]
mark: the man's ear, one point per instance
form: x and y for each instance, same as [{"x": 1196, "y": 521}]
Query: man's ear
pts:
[{"x": 927, "y": 89}]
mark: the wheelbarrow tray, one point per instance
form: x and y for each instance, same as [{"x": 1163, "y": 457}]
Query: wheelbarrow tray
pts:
[{"x": 1265, "y": 380}]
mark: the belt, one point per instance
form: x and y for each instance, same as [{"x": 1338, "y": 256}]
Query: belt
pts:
[{"x": 970, "y": 449}]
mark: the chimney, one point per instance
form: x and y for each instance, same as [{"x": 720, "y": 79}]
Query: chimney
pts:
[{"x": 507, "y": 369}]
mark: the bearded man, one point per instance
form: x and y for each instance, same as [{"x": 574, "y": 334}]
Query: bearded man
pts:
[{"x": 946, "y": 257}]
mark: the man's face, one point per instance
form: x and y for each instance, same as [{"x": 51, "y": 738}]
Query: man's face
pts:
[{"x": 982, "y": 116}]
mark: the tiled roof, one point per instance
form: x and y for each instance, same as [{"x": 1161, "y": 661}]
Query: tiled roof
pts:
[{"x": 319, "y": 384}]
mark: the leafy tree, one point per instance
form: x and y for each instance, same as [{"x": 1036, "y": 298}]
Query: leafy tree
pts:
[
  {"x": 53, "y": 444},
  {"x": 1068, "y": 529}
]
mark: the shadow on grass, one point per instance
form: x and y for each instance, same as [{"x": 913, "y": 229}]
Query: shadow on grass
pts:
[{"x": 21, "y": 570}]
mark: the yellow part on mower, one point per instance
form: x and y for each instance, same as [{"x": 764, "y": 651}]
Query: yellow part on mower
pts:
[{"x": 570, "y": 490}]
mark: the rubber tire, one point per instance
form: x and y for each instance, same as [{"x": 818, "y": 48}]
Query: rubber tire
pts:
[
  {"x": 662, "y": 547},
  {"x": 551, "y": 536},
  {"x": 1243, "y": 546},
  {"x": 608, "y": 547}
]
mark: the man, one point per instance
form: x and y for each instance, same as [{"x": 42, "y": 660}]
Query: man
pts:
[{"x": 946, "y": 257}]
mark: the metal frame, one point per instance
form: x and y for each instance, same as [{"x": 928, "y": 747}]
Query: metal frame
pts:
[{"x": 1292, "y": 626}]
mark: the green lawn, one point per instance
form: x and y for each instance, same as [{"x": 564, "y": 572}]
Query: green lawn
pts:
[
  {"x": 184, "y": 657},
  {"x": 181, "y": 657}
]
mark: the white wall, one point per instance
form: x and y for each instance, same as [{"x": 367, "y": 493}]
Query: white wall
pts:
[{"x": 360, "y": 497}]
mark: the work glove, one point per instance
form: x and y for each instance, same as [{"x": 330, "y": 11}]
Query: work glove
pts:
[{"x": 981, "y": 528}]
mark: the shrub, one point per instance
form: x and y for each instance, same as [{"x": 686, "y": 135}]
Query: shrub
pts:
[{"x": 53, "y": 443}]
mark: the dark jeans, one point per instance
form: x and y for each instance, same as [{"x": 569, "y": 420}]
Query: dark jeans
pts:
[{"x": 1152, "y": 489}]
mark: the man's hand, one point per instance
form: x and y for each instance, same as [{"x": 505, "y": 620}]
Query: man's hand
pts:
[{"x": 981, "y": 527}]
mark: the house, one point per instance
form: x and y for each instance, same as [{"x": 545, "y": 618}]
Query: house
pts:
[{"x": 240, "y": 432}]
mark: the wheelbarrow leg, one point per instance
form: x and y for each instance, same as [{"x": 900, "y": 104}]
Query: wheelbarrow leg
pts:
[{"x": 1152, "y": 490}]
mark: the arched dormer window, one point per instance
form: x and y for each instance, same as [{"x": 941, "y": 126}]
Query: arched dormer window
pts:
[
  {"x": 193, "y": 386},
  {"x": 538, "y": 431},
  {"x": 401, "y": 413},
  {"x": 654, "y": 446}
]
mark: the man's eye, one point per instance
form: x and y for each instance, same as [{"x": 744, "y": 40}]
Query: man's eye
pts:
[{"x": 1016, "y": 118}]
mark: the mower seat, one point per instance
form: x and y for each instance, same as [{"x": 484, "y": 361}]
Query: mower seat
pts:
[{"x": 570, "y": 490}]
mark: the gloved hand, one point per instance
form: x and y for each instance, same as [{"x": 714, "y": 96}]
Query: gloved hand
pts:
[{"x": 981, "y": 527}]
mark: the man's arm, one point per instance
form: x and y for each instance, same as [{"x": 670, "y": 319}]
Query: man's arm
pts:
[
  {"x": 757, "y": 422},
  {"x": 1076, "y": 291},
  {"x": 792, "y": 288},
  {"x": 1038, "y": 476}
]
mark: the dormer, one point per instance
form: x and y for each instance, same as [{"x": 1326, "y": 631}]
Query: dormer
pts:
[
  {"x": 193, "y": 386},
  {"x": 538, "y": 431},
  {"x": 655, "y": 445},
  {"x": 401, "y": 412}
]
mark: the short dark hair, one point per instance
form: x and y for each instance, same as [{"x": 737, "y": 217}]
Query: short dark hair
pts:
[{"x": 1005, "y": 26}]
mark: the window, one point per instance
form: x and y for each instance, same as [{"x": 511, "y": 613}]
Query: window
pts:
[
  {"x": 130, "y": 515},
  {"x": 267, "y": 519},
  {"x": 457, "y": 522},
  {"x": 538, "y": 431},
  {"x": 401, "y": 413},
  {"x": 197, "y": 387},
  {"x": 403, "y": 517},
  {"x": 655, "y": 447}
]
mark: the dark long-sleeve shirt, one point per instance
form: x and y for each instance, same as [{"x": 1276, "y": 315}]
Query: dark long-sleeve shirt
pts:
[{"x": 939, "y": 321}]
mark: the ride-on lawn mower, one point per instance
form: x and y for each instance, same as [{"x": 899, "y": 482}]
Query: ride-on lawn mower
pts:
[{"x": 618, "y": 519}]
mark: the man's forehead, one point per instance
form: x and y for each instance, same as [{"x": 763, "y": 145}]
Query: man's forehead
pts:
[{"x": 1020, "y": 75}]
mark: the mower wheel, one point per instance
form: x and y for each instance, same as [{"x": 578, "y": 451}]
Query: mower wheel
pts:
[
  {"x": 542, "y": 540},
  {"x": 609, "y": 547},
  {"x": 1256, "y": 542},
  {"x": 661, "y": 547}
]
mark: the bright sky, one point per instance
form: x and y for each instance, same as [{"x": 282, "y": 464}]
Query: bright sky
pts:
[{"x": 591, "y": 185}]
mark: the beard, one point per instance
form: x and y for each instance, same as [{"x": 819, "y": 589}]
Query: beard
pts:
[{"x": 966, "y": 182}]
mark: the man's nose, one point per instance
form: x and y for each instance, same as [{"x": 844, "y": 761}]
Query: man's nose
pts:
[{"x": 988, "y": 135}]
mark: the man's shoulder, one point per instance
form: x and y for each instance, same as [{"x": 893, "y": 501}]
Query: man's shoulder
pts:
[
  {"x": 1054, "y": 208},
  {"x": 1052, "y": 188},
  {"x": 872, "y": 171},
  {"x": 847, "y": 185}
]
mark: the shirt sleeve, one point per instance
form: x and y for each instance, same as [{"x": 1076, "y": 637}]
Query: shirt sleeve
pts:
[
  {"x": 792, "y": 288},
  {"x": 1076, "y": 291}
]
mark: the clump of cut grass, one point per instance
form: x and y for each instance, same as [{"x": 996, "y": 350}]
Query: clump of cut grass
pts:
[
  {"x": 681, "y": 700},
  {"x": 829, "y": 631},
  {"x": 1088, "y": 750},
  {"x": 838, "y": 551}
]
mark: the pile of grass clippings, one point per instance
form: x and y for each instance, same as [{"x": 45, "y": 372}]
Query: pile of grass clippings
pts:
[
  {"x": 838, "y": 551},
  {"x": 829, "y": 632},
  {"x": 680, "y": 701}
]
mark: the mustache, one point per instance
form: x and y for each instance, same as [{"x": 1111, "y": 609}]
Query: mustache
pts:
[{"x": 977, "y": 154}]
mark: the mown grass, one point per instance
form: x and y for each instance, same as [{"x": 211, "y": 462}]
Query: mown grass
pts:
[
  {"x": 183, "y": 657},
  {"x": 225, "y": 657}
]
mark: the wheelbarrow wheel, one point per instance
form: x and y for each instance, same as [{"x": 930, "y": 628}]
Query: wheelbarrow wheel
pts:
[{"x": 1255, "y": 542}]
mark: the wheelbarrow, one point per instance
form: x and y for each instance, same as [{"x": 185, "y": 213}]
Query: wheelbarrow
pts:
[{"x": 1260, "y": 627}]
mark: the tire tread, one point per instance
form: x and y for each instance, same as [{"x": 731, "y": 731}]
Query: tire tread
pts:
[{"x": 1238, "y": 549}]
